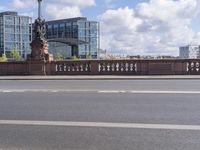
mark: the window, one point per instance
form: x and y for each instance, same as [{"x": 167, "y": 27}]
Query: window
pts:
[{"x": 81, "y": 24}]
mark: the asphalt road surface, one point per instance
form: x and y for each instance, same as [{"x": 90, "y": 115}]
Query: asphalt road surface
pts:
[{"x": 100, "y": 115}]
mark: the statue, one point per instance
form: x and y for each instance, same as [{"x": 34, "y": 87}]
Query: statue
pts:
[
  {"x": 39, "y": 45},
  {"x": 40, "y": 30}
]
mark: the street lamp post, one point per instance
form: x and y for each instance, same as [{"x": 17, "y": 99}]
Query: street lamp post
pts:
[{"x": 39, "y": 9}]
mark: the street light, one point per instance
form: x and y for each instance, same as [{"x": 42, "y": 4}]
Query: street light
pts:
[{"x": 39, "y": 9}]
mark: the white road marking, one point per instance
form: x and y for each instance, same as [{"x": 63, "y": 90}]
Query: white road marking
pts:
[
  {"x": 166, "y": 92},
  {"x": 101, "y": 124},
  {"x": 113, "y": 91},
  {"x": 43, "y": 90},
  {"x": 152, "y": 92},
  {"x": 98, "y": 91}
]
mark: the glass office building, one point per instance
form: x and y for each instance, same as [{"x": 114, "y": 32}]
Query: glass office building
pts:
[
  {"x": 15, "y": 33},
  {"x": 85, "y": 32}
]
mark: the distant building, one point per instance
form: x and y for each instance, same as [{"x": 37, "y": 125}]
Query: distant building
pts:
[
  {"x": 134, "y": 57},
  {"x": 189, "y": 52},
  {"x": 73, "y": 37},
  {"x": 103, "y": 54},
  {"x": 15, "y": 33}
]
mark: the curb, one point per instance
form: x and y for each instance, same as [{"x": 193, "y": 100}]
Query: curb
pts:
[{"x": 99, "y": 78}]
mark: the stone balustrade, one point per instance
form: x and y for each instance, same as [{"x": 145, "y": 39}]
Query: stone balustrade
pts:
[{"x": 103, "y": 67}]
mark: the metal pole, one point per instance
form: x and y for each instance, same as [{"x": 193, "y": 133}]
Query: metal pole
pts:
[{"x": 39, "y": 9}]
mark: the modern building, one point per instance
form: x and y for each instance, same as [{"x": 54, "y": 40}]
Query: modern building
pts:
[
  {"x": 189, "y": 52},
  {"x": 15, "y": 33},
  {"x": 73, "y": 37}
]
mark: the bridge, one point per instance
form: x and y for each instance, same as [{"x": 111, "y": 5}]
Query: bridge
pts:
[{"x": 103, "y": 67}]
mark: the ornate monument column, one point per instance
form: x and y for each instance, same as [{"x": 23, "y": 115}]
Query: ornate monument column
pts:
[
  {"x": 39, "y": 45},
  {"x": 39, "y": 58}
]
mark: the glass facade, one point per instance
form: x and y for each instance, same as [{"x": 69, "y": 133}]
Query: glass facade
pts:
[
  {"x": 15, "y": 33},
  {"x": 85, "y": 31}
]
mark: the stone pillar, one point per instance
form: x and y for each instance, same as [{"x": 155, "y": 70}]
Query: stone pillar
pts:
[
  {"x": 36, "y": 67},
  {"x": 94, "y": 68}
]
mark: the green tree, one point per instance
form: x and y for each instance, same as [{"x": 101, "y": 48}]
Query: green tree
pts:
[
  {"x": 58, "y": 56},
  {"x": 3, "y": 58},
  {"x": 74, "y": 57},
  {"x": 15, "y": 55},
  {"x": 89, "y": 56}
]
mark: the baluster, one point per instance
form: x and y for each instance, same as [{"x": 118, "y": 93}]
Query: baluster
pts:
[
  {"x": 65, "y": 68},
  {"x": 68, "y": 68},
  {"x": 77, "y": 67},
  {"x": 122, "y": 67},
  {"x": 197, "y": 66},
  {"x": 192, "y": 66},
  {"x": 56, "y": 67},
  {"x": 117, "y": 67},
  {"x": 81, "y": 67},
  {"x": 188, "y": 67},
  {"x": 136, "y": 67},
  {"x": 60, "y": 67},
  {"x": 99, "y": 67},
  {"x": 72, "y": 67},
  {"x": 104, "y": 67},
  {"x": 127, "y": 67},
  {"x": 108, "y": 67},
  {"x": 113, "y": 67},
  {"x": 131, "y": 67},
  {"x": 86, "y": 67}
]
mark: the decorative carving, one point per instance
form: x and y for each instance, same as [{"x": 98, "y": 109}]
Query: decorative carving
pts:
[{"x": 40, "y": 29}]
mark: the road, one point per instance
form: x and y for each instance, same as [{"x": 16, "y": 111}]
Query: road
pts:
[{"x": 100, "y": 115}]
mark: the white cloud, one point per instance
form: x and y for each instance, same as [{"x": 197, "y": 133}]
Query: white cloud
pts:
[
  {"x": 156, "y": 27},
  {"x": 78, "y": 3},
  {"x": 120, "y": 20},
  {"x": 64, "y": 12},
  {"x": 18, "y": 4}
]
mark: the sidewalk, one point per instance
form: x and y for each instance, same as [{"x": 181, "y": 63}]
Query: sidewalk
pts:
[{"x": 102, "y": 77}]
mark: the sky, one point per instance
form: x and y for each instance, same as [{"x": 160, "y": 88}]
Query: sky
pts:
[{"x": 131, "y": 27}]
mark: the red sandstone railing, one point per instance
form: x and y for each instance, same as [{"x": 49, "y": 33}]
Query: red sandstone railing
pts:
[
  {"x": 13, "y": 68},
  {"x": 193, "y": 67},
  {"x": 104, "y": 67},
  {"x": 95, "y": 67},
  {"x": 126, "y": 67}
]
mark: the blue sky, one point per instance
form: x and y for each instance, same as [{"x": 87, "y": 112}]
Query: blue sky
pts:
[{"x": 146, "y": 27}]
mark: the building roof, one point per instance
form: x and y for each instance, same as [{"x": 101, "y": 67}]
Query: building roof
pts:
[
  {"x": 9, "y": 13},
  {"x": 67, "y": 20}
]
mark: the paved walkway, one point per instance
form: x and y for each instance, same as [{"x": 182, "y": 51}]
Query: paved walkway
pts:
[{"x": 103, "y": 77}]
